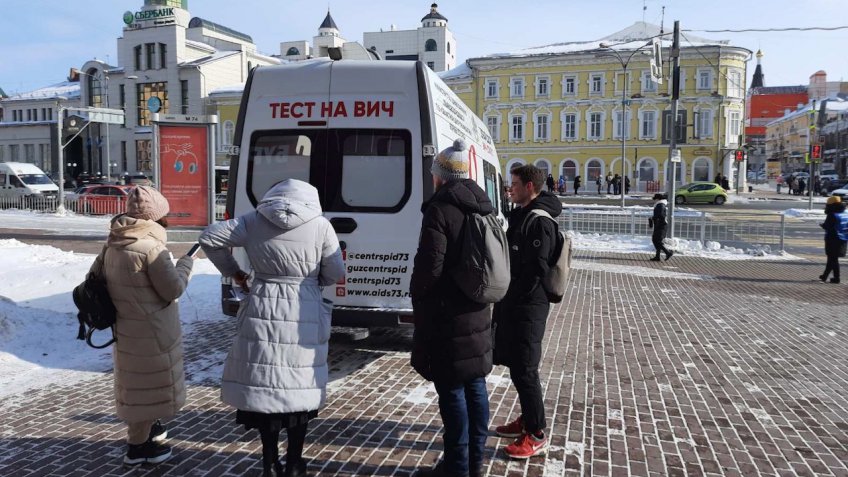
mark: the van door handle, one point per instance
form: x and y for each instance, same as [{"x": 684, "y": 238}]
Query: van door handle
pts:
[{"x": 343, "y": 225}]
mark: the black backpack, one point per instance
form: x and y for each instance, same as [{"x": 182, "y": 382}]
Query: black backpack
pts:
[{"x": 96, "y": 310}]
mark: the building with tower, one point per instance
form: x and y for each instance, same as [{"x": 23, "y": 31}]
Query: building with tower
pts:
[
  {"x": 329, "y": 36},
  {"x": 432, "y": 42}
]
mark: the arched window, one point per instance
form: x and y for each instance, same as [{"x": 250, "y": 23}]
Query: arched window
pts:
[
  {"x": 293, "y": 52},
  {"x": 512, "y": 164},
  {"x": 544, "y": 165},
  {"x": 430, "y": 45},
  {"x": 568, "y": 169},
  {"x": 647, "y": 174},
  {"x": 680, "y": 172},
  {"x": 615, "y": 167},
  {"x": 701, "y": 170},
  {"x": 594, "y": 169},
  {"x": 95, "y": 89}
]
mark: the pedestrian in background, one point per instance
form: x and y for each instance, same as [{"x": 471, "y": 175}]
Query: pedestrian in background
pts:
[
  {"x": 561, "y": 185},
  {"x": 520, "y": 318},
  {"x": 725, "y": 183},
  {"x": 836, "y": 221},
  {"x": 598, "y": 182},
  {"x": 452, "y": 341},
  {"x": 609, "y": 182},
  {"x": 577, "y": 183},
  {"x": 626, "y": 184},
  {"x": 659, "y": 222},
  {"x": 276, "y": 374},
  {"x": 550, "y": 183},
  {"x": 802, "y": 187},
  {"x": 616, "y": 184},
  {"x": 144, "y": 285}
]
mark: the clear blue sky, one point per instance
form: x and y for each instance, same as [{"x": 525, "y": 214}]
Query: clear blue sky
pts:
[{"x": 43, "y": 39}]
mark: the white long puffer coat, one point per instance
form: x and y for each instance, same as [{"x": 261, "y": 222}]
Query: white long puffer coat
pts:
[{"x": 278, "y": 362}]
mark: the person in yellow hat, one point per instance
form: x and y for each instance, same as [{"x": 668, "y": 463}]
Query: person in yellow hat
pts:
[{"x": 835, "y": 236}]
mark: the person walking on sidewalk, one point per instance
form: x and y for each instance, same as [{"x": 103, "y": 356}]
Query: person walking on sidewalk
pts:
[
  {"x": 598, "y": 182},
  {"x": 452, "y": 341},
  {"x": 550, "y": 183},
  {"x": 577, "y": 182},
  {"x": 616, "y": 184},
  {"x": 561, "y": 185},
  {"x": 609, "y": 182},
  {"x": 520, "y": 318},
  {"x": 626, "y": 185},
  {"x": 836, "y": 220},
  {"x": 144, "y": 285},
  {"x": 659, "y": 223},
  {"x": 275, "y": 374}
]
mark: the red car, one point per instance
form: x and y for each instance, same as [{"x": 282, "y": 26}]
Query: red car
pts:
[{"x": 103, "y": 200}]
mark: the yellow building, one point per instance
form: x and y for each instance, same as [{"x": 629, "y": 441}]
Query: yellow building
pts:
[
  {"x": 225, "y": 103},
  {"x": 560, "y": 107}
]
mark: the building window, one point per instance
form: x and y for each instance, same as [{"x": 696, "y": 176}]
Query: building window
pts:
[
  {"x": 95, "y": 89},
  {"x": 734, "y": 128},
  {"x": 649, "y": 125},
  {"x": 542, "y": 86},
  {"x": 163, "y": 56},
  {"x": 681, "y": 127},
  {"x": 124, "y": 163},
  {"x": 29, "y": 115},
  {"x": 517, "y": 130},
  {"x": 734, "y": 84},
  {"x": 648, "y": 84},
  {"x": 595, "y": 125},
  {"x": 705, "y": 123},
  {"x": 144, "y": 93},
  {"x": 491, "y": 88},
  {"x": 431, "y": 65},
  {"x": 2, "y": 159},
  {"x": 569, "y": 126},
  {"x": 569, "y": 85},
  {"x": 29, "y": 153},
  {"x": 622, "y": 124},
  {"x": 35, "y": 114},
  {"x": 705, "y": 79},
  {"x": 517, "y": 89},
  {"x": 701, "y": 170},
  {"x": 594, "y": 169},
  {"x": 542, "y": 122},
  {"x": 150, "y": 52},
  {"x": 493, "y": 124},
  {"x": 184, "y": 95},
  {"x": 568, "y": 169},
  {"x": 143, "y": 155},
  {"x": 137, "y": 56},
  {"x": 448, "y": 47},
  {"x": 293, "y": 52},
  {"x": 430, "y": 45},
  {"x": 13, "y": 153},
  {"x": 596, "y": 84}
]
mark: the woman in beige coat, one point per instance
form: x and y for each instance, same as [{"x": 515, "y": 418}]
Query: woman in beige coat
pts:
[{"x": 144, "y": 285}]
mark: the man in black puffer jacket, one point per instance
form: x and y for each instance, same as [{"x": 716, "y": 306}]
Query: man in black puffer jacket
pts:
[
  {"x": 521, "y": 316},
  {"x": 452, "y": 344}
]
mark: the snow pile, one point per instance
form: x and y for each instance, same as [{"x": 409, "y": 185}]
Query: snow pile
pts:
[
  {"x": 67, "y": 223},
  {"x": 38, "y": 324},
  {"x": 804, "y": 214},
  {"x": 639, "y": 210},
  {"x": 689, "y": 248}
]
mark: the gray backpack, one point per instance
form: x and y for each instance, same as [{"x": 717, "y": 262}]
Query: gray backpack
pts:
[
  {"x": 483, "y": 271},
  {"x": 554, "y": 282}
]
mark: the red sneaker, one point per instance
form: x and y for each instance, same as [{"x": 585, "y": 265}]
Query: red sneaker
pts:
[
  {"x": 527, "y": 446},
  {"x": 513, "y": 429}
]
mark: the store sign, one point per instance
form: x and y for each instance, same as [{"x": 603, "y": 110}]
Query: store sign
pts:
[
  {"x": 702, "y": 152},
  {"x": 184, "y": 175},
  {"x": 161, "y": 15}
]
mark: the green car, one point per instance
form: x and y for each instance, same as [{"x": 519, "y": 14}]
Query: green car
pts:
[{"x": 706, "y": 192}]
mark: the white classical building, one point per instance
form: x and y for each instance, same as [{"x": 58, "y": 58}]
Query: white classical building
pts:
[
  {"x": 432, "y": 42},
  {"x": 329, "y": 36}
]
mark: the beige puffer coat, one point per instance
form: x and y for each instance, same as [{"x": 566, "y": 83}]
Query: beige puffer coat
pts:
[{"x": 144, "y": 285}]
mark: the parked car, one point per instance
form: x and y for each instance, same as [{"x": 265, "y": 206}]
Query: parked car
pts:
[
  {"x": 829, "y": 174},
  {"x": 829, "y": 186},
  {"x": 136, "y": 179},
  {"x": 103, "y": 199},
  {"x": 707, "y": 192},
  {"x": 841, "y": 193}
]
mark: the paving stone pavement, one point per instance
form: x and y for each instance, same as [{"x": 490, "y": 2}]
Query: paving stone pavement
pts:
[{"x": 685, "y": 367}]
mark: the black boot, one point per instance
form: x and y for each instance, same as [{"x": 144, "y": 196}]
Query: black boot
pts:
[
  {"x": 656, "y": 259},
  {"x": 296, "y": 468},
  {"x": 668, "y": 254},
  {"x": 148, "y": 453}
]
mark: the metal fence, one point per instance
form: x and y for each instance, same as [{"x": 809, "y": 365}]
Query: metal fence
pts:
[
  {"x": 95, "y": 205},
  {"x": 729, "y": 228}
]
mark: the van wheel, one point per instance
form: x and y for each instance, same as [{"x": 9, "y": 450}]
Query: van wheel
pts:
[
  {"x": 719, "y": 200},
  {"x": 680, "y": 200}
]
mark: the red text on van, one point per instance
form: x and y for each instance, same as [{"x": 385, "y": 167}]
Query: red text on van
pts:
[{"x": 331, "y": 109}]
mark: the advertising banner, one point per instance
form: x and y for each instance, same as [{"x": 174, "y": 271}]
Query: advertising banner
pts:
[{"x": 184, "y": 173}]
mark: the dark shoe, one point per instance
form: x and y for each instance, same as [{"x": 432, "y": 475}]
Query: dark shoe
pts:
[
  {"x": 295, "y": 469},
  {"x": 277, "y": 471},
  {"x": 158, "y": 432},
  {"x": 656, "y": 259},
  {"x": 147, "y": 453},
  {"x": 823, "y": 278},
  {"x": 437, "y": 471},
  {"x": 834, "y": 280},
  {"x": 481, "y": 472},
  {"x": 668, "y": 255}
]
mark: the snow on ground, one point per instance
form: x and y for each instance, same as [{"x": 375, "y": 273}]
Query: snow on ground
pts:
[
  {"x": 637, "y": 271},
  {"x": 639, "y": 210},
  {"x": 689, "y": 248},
  {"x": 815, "y": 215},
  {"x": 69, "y": 223},
  {"x": 38, "y": 324}
]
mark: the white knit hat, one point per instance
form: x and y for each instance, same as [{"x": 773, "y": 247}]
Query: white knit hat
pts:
[
  {"x": 452, "y": 163},
  {"x": 147, "y": 203}
]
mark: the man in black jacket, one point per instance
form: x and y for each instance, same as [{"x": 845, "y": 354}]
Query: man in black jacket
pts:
[
  {"x": 659, "y": 223},
  {"x": 521, "y": 316},
  {"x": 452, "y": 342}
]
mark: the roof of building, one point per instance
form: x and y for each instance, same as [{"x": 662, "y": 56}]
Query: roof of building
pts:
[
  {"x": 200, "y": 22},
  {"x": 632, "y": 37},
  {"x": 800, "y": 89},
  {"x": 835, "y": 105},
  {"x": 758, "y": 80},
  {"x": 434, "y": 14},
  {"x": 328, "y": 22},
  {"x": 208, "y": 59},
  {"x": 2, "y": 93},
  {"x": 67, "y": 89},
  {"x": 460, "y": 71}
]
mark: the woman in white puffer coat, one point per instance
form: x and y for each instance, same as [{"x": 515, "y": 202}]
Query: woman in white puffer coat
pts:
[{"x": 276, "y": 372}]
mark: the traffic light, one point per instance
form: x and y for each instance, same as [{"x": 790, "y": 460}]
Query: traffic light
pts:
[
  {"x": 817, "y": 151},
  {"x": 740, "y": 155}
]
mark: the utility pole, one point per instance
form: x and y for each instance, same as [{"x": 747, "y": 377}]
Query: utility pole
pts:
[
  {"x": 810, "y": 159},
  {"x": 675, "y": 99},
  {"x": 60, "y": 209}
]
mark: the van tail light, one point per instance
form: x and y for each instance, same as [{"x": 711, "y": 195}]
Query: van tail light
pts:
[{"x": 226, "y": 215}]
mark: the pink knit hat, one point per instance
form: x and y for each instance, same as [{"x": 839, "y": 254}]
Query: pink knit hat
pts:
[{"x": 147, "y": 203}]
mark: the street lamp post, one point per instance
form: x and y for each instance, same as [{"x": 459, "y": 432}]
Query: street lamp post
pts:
[{"x": 624, "y": 124}]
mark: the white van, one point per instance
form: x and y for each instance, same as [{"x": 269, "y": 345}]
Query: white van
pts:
[
  {"x": 364, "y": 134},
  {"x": 24, "y": 182}
]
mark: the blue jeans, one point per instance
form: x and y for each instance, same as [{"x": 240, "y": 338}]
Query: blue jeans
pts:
[{"x": 465, "y": 415}]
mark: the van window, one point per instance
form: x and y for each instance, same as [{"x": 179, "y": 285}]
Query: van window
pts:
[
  {"x": 35, "y": 179},
  {"x": 367, "y": 155},
  {"x": 490, "y": 174},
  {"x": 15, "y": 181},
  {"x": 275, "y": 156}
]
